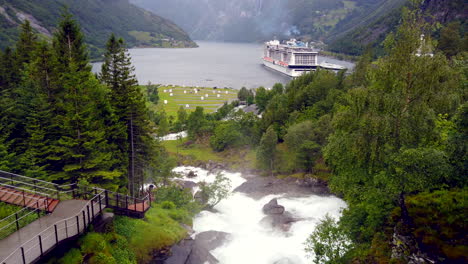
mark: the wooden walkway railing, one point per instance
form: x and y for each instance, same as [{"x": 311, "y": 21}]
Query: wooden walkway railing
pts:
[{"x": 97, "y": 200}]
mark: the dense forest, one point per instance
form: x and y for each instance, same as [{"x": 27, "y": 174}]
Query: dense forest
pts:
[
  {"x": 62, "y": 123},
  {"x": 390, "y": 138},
  {"x": 98, "y": 20}
]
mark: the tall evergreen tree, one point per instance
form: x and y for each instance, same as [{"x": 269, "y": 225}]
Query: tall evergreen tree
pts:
[
  {"x": 82, "y": 152},
  {"x": 26, "y": 44},
  {"x": 129, "y": 105},
  {"x": 69, "y": 45}
]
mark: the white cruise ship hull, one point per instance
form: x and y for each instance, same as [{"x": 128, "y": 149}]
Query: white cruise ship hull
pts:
[{"x": 291, "y": 72}]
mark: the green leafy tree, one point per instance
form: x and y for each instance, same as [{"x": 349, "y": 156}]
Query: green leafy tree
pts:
[
  {"x": 266, "y": 152},
  {"x": 262, "y": 97},
  {"x": 328, "y": 243},
  {"x": 215, "y": 192},
  {"x": 163, "y": 126},
  {"x": 181, "y": 122},
  {"x": 385, "y": 129},
  {"x": 226, "y": 134},
  {"x": 450, "y": 42},
  {"x": 197, "y": 124},
  {"x": 243, "y": 94}
]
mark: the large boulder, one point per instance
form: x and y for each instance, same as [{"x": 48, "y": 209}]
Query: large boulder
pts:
[
  {"x": 280, "y": 222},
  {"x": 273, "y": 208},
  {"x": 191, "y": 174},
  {"x": 197, "y": 251}
]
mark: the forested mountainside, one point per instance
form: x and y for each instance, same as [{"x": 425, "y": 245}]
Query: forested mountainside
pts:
[
  {"x": 308, "y": 19},
  {"x": 345, "y": 26},
  {"x": 358, "y": 31},
  {"x": 98, "y": 19}
]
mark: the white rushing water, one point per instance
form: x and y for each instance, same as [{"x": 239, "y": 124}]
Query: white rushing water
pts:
[
  {"x": 174, "y": 136},
  {"x": 250, "y": 242}
]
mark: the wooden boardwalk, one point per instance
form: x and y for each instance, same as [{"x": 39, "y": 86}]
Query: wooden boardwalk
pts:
[
  {"x": 27, "y": 237},
  {"x": 25, "y": 199},
  {"x": 68, "y": 218}
]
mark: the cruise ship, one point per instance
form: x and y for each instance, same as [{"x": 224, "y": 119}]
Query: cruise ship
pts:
[{"x": 293, "y": 58}]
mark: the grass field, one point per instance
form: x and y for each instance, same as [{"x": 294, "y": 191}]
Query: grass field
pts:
[
  {"x": 236, "y": 158},
  {"x": 190, "y": 98}
]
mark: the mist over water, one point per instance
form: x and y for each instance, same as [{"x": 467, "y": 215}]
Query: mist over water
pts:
[
  {"x": 251, "y": 242},
  {"x": 213, "y": 64}
]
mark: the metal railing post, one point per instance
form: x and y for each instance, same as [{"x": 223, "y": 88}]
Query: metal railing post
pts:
[
  {"x": 58, "y": 192},
  {"x": 92, "y": 208},
  {"x": 107, "y": 198},
  {"x": 66, "y": 229},
  {"x": 24, "y": 200},
  {"x": 78, "y": 225},
  {"x": 84, "y": 220},
  {"x": 17, "y": 222},
  {"x": 100, "y": 204},
  {"x": 40, "y": 246},
  {"x": 22, "y": 255},
  {"x": 56, "y": 234},
  {"x": 87, "y": 209},
  {"x": 38, "y": 210}
]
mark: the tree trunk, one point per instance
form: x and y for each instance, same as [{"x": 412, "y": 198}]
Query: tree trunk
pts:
[{"x": 132, "y": 158}]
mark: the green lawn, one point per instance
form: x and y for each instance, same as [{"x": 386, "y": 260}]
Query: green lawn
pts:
[
  {"x": 236, "y": 158},
  {"x": 198, "y": 152},
  {"x": 183, "y": 96}
]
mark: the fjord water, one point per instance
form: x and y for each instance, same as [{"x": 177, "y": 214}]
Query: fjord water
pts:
[
  {"x": 250, "y": 242},
  {"x": 212, "y": 64}
]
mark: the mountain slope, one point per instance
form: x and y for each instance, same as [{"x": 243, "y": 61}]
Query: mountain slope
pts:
[
  {"x": 370, "y": 29},
  {"x": 98, "y": 19},
  {"x": 255, "y": 20}
]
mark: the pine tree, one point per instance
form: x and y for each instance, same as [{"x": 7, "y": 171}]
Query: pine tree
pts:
[
  {"x": 129, "y": 105},
  {"x": 82, "y": 152},
  {"x": 69, "y": 45},
  {"x": 26, "y": 44}
]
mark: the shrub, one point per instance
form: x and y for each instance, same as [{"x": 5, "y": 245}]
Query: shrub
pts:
[{"x": 168, "y": 205}]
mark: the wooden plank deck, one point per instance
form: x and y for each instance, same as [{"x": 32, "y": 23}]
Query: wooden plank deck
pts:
[
  {"x": 64, "y": 210},
  {"x": 25, "y": 199}
]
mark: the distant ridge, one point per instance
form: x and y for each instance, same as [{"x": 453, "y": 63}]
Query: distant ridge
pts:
[{"x": 98, "y": 18}]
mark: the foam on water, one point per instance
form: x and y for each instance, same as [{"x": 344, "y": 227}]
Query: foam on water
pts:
[{"x": 251, "y": 242}]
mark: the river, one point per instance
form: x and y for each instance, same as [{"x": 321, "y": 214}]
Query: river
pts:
[
  {"x": 213, "y": 64},
  {"x": 250, "y": 241}
]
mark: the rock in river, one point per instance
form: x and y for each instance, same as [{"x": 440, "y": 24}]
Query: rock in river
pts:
[{"x": 273, "y": 208}]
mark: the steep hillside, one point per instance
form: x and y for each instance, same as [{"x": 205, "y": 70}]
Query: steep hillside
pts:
[
  {"x": 98, "y": 19},
  {"x": 354, "y": 35},
  {"x": 254, "y": 20}
]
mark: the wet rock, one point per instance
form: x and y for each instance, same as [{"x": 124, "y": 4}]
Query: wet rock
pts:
[
  {"x": 180, "y": 252},
  {"x": 191, "y": 174},
  {"x": 199, "y": 197},
  {"x": 197, "y": 251},
  {"x": 104, "y": 223},
  {"x": 281, "y": 222},
  {"x": 211, "y": 239},
  {"x": 405, "y": 247},
  {"x": 273, "y": 208},
  {"x": 257, "y": 187},
  {"x": 186, "y": 184}
]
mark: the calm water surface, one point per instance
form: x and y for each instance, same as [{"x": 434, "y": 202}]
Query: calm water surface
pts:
[{"x": 212, "y": 64}]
